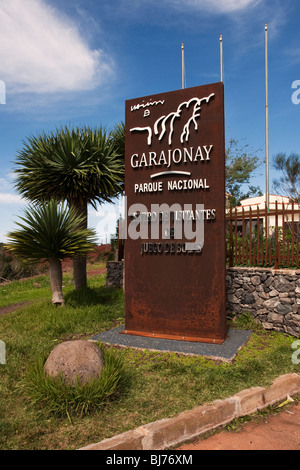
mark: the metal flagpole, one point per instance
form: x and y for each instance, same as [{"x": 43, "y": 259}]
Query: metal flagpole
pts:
[
  {"x": 182, "y": 54},
  {"x": 267, "y": 118},
  {"x": 221, "y": 56}
]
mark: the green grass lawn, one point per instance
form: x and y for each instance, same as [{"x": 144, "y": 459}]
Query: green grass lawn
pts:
[{"x": 159, "y": 385}]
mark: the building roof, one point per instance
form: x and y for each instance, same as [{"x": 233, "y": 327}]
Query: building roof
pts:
[{"x": 260, "y": 201}]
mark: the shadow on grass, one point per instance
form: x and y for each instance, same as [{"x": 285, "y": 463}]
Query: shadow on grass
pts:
[{"x": 88, "y": 296}]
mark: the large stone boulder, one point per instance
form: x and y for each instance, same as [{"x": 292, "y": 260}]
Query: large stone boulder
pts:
[{"x": 75, "y": 359}]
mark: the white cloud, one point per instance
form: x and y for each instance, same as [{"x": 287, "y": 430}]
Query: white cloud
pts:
[
  {"x": 8, "y": 198},
  {"x": 42, "y": 51},
  {"x": 5, "y": 184},
  {"x": 216, "y": 6}
]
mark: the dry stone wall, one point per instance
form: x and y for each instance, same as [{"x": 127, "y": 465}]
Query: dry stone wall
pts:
[
  {"x": 271, "y": 296},
  {"x": 115, "y": 274}
]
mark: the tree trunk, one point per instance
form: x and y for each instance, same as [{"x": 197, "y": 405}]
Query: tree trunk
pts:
[
  {"x": 79, "y": 262},
  {"x": 55, "y": 271},
  {"x": 79, "y": 272}
]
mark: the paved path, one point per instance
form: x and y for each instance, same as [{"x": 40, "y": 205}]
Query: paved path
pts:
[{"x": 279, "y": 432}]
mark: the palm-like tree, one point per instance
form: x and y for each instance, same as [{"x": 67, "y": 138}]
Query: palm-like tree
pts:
[
  {"x": 118, "y": 138},
  {"x": 289, "y": 179},
  {"x": 80, "y": 165},
  {"x": 50, "y": 232}
]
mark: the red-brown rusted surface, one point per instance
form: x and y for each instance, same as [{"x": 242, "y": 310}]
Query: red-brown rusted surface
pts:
[{"x": 169, "y": 293}]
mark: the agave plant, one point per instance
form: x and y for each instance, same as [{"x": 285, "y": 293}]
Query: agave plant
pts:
[
  {"x": 81, "y": 166},
  {"x": 51, "y": 232}
]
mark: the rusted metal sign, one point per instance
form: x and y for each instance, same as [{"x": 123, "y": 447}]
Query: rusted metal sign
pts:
[{"x": 175, "y": 233}]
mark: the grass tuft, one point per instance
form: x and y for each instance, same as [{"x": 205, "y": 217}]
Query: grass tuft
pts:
[{"x": 56, "y": 397}]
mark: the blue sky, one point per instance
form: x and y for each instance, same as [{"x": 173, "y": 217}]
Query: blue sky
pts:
[{"x": 76, "y": 62}]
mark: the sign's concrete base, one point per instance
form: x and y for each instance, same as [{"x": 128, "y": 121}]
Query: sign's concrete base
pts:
[{"x": 222, "y": 352}]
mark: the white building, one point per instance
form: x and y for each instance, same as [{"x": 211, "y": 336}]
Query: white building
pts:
[
  {"x": 249, "y": 207},
  {"x": 260, "y": 201}
]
